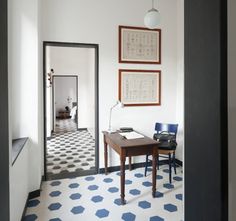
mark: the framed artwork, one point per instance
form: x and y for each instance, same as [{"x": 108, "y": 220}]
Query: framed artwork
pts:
[
  {"x": 139, "y": 45},
  {"x": 140, "y": 87}
]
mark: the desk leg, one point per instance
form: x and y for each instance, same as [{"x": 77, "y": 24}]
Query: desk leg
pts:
[
  {"x": 122, "y": 177},
  {"x": 154, "y": 171},
  {"x": 105, "y": 154},
  {"x": 130, "y": 162}
]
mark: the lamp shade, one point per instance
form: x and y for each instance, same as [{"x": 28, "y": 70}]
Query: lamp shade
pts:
[{"x": 152, "y": 19}]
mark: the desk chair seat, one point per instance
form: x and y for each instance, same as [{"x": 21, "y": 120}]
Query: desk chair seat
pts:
[{"x": 166, "y": 135}]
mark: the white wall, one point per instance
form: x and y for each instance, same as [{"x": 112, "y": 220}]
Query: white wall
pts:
[
  {"x": 180, "y": 80},
  {"x": 232, "y": 107},
  {"x": 49, "y": 114},
  {"x": 64, "y": 89},
  {"x": 79, "y": 62},
  {"x": 97, "y": 22},
  {"x": 91, "y": 93},
  {"x": 19, "y": 184},
  {"x": 24, "y": 95}
]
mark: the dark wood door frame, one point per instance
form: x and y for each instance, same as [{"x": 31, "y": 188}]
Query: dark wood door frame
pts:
[
  {"x": 53, "y": 101},
  {"x": 4, "y": 128},
  {"x": 206, "y": 135},
  {"x": 96, "y": 91}
]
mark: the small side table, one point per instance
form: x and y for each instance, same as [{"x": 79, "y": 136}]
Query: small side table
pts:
[{"x": 64, "y": 114}]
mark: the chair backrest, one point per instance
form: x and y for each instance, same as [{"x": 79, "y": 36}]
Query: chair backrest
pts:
[{"x": 171, "y": 128}]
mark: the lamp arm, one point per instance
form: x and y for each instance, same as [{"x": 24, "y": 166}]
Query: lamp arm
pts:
[
  {"x": 109, "y": 128},
  {"x": 114, "y": 105},
  {"x": 110, "y": 115}
]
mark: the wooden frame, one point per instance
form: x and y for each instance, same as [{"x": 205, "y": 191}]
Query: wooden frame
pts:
[
  {"x": 129, "y": 87},
  {"x": 139, "y": 45}
]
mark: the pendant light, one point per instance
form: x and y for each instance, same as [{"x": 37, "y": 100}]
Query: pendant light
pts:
[{"x": 152, "y": 18}]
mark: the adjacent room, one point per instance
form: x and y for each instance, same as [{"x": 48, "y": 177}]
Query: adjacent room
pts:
[{"x": 70, "y": 110}]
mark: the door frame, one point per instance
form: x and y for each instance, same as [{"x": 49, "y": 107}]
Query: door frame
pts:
[
  {"x": 53, "y": 99},
  {"x": 96, "y": 91},
  {"x": 206, "y": 110},
  {"x": 4, "y": 116}
]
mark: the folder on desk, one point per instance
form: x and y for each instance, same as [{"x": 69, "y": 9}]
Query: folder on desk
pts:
[{"x": 131, "y": 135}]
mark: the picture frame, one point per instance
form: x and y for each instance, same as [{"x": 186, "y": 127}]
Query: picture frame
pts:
[
  {"x": 140, "y": 87},
  {"x": 139, "y": 45}
]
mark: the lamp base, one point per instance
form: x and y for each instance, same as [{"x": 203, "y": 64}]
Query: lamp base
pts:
[{"x": 110, "y": 131}]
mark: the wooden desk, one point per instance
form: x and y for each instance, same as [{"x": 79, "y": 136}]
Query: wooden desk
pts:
[{"x": 128, "y": 148}]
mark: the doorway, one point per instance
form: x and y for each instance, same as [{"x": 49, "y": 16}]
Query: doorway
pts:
[
  {"x": 70, "y": 109},
  {"x": 65, "y": 103}
]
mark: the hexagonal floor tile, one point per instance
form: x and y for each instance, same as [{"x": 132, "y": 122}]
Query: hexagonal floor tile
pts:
[
  {"x": 101, "y": 213},
  {"x": 166, "y": 170},
  {"x": 107, "y": 180},
  {"x": 135, "y": 192},
  {"x": 118, "y": 202},
  {"x": 55, "y": 193},
  {"x": 56, "y": 167},
  {"x": 31, "y": 217},
  {"x": 128, "y": 217},
  {"x": 159, "y": 195},
  {"x": 33, "y": 203},
  {"x": 177, "y": 178},
  {"x": 55, "y": 219},
  {"x": 179, "y": 196},
  {"x": 93, "y": 187},
  {"x": 113, "y": 189},
  {"x": 55, "y": 183},
  {"x": 156, "y": 218},
  {"x": 138, "y": 175},
  {"x": 147, "y": 184},
  {"x": 84, "y": 164},
  {"x": 159, "y": 177},
  {"x": 170, "y": 207},
  {"x": 118, "y": 173},
  {"x": 75, "y": 196},
  {"x": 128, "y": 182},
  {"x": 54, "y": 206},
  {"x": 144, "y": 204},
  {"x": 168, "y": 186},
  {"x": 74, "y": 185},
  {"x": 97, "y": 199},
  {"x": 89, "y": 178},
  {"x": 77, "y": 210}
]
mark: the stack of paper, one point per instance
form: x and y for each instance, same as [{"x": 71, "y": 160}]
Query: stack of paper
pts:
[{"x": 131, "y": 135}]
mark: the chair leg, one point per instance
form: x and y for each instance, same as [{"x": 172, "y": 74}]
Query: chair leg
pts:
[
  {"x": 145, "y": 171},
  {"x": 174, "y": 162},
  {"x": 158, "y": 165},
  {"x": 169, "y": 167}
]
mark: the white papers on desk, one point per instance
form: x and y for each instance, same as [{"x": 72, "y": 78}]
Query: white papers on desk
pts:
[{"x": 131, "y": 135}]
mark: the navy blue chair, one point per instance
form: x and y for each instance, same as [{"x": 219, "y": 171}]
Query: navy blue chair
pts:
[{"x": 166, "y": 135}]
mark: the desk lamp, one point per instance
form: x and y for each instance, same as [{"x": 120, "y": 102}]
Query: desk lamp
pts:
[{"x": 120, "y": 105}]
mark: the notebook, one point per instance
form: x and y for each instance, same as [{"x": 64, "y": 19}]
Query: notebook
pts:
[{"x": 131, "y": 135}]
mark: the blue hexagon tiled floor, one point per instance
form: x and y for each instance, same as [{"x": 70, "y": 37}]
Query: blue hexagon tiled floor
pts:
[{"x": 96, "y": 198}]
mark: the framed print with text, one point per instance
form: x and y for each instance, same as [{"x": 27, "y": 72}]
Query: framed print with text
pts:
[
  {"x": 140, "y": 87},
  {"x": 139, "y": 45}
]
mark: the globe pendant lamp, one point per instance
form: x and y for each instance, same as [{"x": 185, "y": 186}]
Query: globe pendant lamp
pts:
[{"x": 152, "y": 18}]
